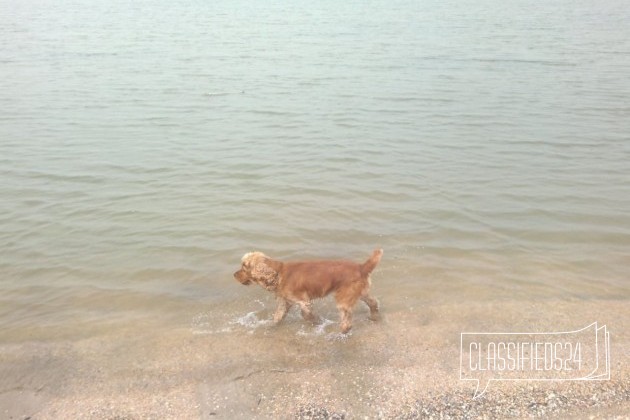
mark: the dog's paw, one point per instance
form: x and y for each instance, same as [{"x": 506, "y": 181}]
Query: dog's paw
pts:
[{"x": 375, "y": 317}]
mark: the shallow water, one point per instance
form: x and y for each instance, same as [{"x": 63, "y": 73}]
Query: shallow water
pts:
[{"x": 146, "y": 146}]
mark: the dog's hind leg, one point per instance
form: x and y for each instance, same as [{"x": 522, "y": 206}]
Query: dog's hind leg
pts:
[{"x": 373, "y": 305}]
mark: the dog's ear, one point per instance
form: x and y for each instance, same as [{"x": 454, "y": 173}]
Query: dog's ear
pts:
[
  {"x": 250, "y": 258},
  {"x": 266, "y": 275}
]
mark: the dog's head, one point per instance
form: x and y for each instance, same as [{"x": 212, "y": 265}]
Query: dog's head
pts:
[{"x": 258, "y": 268}]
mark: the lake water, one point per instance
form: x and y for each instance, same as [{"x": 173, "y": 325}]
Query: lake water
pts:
[{"x": 145, "y": 146}]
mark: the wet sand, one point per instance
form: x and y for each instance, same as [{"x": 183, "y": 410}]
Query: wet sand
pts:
[{"x": 406, "y": 366}]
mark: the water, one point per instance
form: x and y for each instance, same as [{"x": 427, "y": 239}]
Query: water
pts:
[{"x": 146, "y": 146}]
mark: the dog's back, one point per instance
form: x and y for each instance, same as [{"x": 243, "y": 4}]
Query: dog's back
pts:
[{"x": 316, "y": 279}]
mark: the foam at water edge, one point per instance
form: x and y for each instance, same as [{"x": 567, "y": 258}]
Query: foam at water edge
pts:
[
  {"x": 200, "y": 324},
  {"x": 338, "y": 336}
]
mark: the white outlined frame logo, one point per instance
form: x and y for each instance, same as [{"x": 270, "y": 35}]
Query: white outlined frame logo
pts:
[{"x": 579, "y": 355}]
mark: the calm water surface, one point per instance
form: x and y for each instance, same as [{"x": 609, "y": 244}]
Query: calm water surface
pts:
[{"x": 145, "y": 146}]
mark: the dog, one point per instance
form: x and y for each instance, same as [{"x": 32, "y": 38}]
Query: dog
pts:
[{"x": 301, "y": 282}]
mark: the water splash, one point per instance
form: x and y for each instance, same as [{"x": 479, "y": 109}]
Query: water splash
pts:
[
  {"x": 317, "y": 330},
  {"x": 251, "y": 321},
  {"x": 204, "y": 323}
]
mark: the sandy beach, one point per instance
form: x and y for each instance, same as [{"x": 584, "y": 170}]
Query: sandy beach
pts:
[{"x": 406, "y": 366}]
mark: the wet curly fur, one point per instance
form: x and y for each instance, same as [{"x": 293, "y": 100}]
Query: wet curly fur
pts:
[{"x": 301, "y": 282}]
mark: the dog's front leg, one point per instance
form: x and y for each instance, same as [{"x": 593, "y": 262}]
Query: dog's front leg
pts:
[
  {"x": 346, "y": 318},
  {"x": 282, "y": 309},
  {"x": 307, "y": 312}
]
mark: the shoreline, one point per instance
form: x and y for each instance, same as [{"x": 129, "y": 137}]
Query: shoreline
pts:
[{"x": 403, "y": 367}]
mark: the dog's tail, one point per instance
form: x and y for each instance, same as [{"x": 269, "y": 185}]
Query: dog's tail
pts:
[{"x": 371, "y": 263}]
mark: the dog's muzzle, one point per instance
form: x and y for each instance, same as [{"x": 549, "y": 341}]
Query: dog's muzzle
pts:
[{"x": 242, "y": 278}]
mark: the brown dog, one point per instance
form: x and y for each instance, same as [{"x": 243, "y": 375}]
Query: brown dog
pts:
[{"x": 301, "y": 282}]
